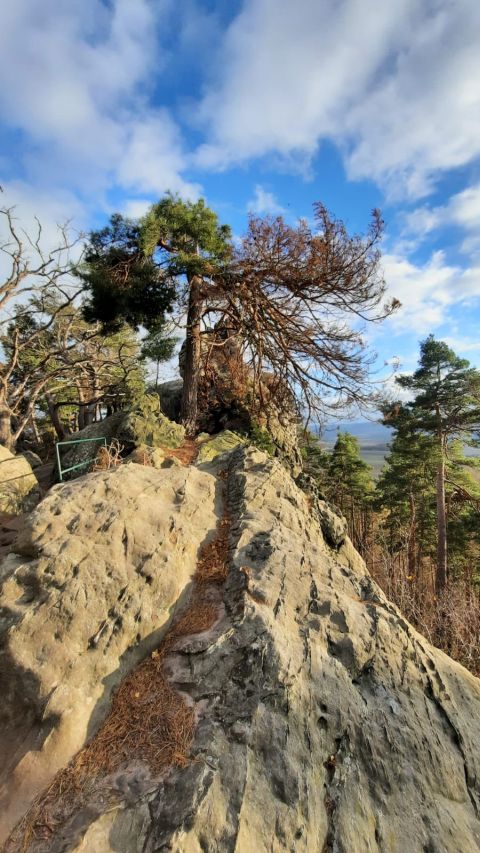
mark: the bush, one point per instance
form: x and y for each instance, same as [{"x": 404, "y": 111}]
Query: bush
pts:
[
  {"x": 450, "y": 621},
  {"x": 261, "y": 438}
]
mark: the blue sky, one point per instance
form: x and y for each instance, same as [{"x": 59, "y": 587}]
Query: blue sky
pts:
[{"x": 263, "y": 106}]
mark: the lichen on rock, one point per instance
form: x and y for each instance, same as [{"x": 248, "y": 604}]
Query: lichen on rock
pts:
[
  {"x": 146, "y": 455},
  {"x": 144, "y": 425},
  {"x": 214, "y": 446}
]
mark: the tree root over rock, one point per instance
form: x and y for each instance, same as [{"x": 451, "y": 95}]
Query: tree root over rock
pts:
[{"x": 150, "y": 726}]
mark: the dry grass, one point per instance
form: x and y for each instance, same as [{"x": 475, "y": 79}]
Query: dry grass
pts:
[
  {"x": 109, "y": 456},
  {"x": 148, "y": 720},
  {"x": 450, "y": 621},
  {"x": 186, "y": 453}
]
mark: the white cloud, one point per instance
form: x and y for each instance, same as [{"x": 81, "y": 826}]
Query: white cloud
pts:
[
  {"x": 153, "y": 159},
  {"x": 76, "y": 82},
  {"x": 462, "y": 344},
  {"x": 135, "y": 208},
  {"x": 461, "y": 210},
  {"x": 394, "y": 84},
  {"x": 264, "y": 202},
  {"x": 429, "y": 291}
]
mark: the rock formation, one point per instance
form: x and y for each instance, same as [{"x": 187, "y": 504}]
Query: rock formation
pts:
[
  {"x": 213, "y": 446},
  {"x": 32, "y": 458},
  {"x": 98, "y": 572},
  {"x": 145, "y": 425},
  {"x": 19, "y": 488},
  {"x": 229, "y": 399},
  {"x": 322, "y": 720}
]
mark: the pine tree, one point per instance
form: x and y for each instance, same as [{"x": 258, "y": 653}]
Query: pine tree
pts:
[
  {"x": 405, "y": 491},
  {"x": 445, "y": 408},
  {"x": 137, "y": 271},
  {"x": 280, "y": 293},
  {"x": 351, "y": 487}
]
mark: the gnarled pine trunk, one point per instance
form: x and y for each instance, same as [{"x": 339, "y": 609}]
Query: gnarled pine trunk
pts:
[
  {"x": 192, "y": 356},
  {"x": 6, "y": 437},
  {"x": 55, "y": 417},
  {"x": 441, "y": 574}
]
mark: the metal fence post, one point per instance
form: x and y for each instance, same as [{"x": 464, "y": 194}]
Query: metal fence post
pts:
[{"x": 59, "y": 444}]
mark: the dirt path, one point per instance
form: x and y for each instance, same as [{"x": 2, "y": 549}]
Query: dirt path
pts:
[
  {"x": 148, "y": 720},
  {"x": 186, "y": 453}
]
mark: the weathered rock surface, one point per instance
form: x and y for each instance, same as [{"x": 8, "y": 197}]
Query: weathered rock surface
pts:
[
  {"x": 325, "y": 722},
  {"x": 97, "y": 574},
  {"x": 145, "y": 455},
  {"x": 224, "y": 442},
  {"x": 19, "y": 488},
  {"x": 32, "y": 458},
  {"x": 144, "y": 425}
]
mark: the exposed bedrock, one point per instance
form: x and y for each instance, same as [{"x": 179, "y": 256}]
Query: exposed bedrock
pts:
[
  {"x": 325, "y": 721},
  {"x": 100, "y": 568}
]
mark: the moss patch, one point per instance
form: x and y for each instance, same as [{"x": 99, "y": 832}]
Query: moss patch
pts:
[{"x": 221, "y": 443}]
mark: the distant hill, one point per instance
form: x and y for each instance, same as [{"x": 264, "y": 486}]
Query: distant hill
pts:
[
  {"x": 373, "y": 439},
  {"x": 367, "y": 432}
]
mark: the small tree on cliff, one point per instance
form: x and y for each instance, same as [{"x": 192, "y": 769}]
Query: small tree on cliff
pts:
[
  {"x": 34, "y": 277},
  {"x": 187, "y": 238},
  {"x": 352, "y": 487},
  {"x": 286, "y": 295},
  {"x": 446, "y": 407},
  {"x": 138, "y": 271}
]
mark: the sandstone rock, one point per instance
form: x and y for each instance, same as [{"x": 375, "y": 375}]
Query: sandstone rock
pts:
[
  {"x": 32, "y": 458},
  {"x": 224, "y": 442},
  {"x": 283, "y": 430},
  {"x": 171, "y": 462},
  {"x": 334, "y": 525},
  {"x": 19, "y": 490},
  {"x": 146, "y": 425},
  {"x": 325, "y": 722},
  {"x": 170, "y": 394},
  {"x": 100, "y": 567},
  {"x": 145, "y": 455}
]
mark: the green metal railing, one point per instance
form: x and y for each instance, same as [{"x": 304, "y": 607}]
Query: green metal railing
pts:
[{"x": 59, "y": 444}]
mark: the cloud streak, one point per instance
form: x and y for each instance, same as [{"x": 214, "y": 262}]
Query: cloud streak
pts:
[
  {"x": 392, "y": 84},
  {"x": 428, "y": 292},
  {"x": 76, "y": 86},
  {"x": 462, "y": 210}
]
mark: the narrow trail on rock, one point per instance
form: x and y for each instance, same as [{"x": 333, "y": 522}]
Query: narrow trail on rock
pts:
[{"x": 148, "y": 724}]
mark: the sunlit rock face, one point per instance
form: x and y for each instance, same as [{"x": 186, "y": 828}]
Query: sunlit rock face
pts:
[
  {"x": 99, "y": 570},
  {"x": 19, "y": 489},
  {"x": 323, "y": 720}
]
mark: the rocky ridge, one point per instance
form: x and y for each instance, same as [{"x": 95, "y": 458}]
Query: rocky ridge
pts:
[{"x": 324, "y": 721}]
